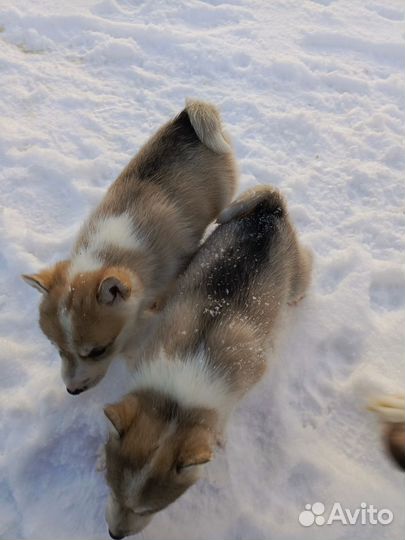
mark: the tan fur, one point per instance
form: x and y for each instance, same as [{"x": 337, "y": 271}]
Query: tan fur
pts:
[
  {"x": 245, "y": 334},
  {"x": 217, "y": 327},
  {"x": 171, "y": 462},
  {"x": 131, "y": 249},
  {"x": 204, "y": 120}
]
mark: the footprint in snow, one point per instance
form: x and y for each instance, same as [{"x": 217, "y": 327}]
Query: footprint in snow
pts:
[
  {"x": 335, "y": 272},
  {"x": 387, "y": 290},
  {"x": 387, "y": 12},
  {"x": 323, "y": 2},
  {"x": 316, "y": 389}
]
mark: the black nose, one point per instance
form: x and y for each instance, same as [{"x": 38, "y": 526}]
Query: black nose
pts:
[
  {"x": 75, "y": 392},
  {"x": 114, "y": 536}
]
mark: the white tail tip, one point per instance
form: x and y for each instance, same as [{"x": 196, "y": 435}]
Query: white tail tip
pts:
[{"x": 206, "y": 121}]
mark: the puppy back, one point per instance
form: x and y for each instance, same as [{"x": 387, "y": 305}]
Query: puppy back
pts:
[
  {"x": 261, "y": 200},
  {"x": 247, "y": 245}
]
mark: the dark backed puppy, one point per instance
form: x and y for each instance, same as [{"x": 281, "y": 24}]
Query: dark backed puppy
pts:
[{"x": 209, "y": 352}]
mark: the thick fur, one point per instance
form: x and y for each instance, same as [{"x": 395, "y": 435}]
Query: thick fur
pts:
[
  {"x": 133, "y": 246},
  {"x": 210, "y": 350}
]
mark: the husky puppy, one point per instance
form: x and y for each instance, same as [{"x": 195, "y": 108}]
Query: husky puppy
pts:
[
  {"x": 133, "y": 246},
  {"x": 210, "y": 350}
]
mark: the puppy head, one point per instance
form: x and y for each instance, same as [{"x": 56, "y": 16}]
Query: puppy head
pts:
[
  {"x": 85, "y": 316},
  {"x": 152, "y": 458}
]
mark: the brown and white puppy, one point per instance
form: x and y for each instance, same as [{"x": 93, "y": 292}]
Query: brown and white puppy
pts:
[
  {"x": 209, "y": 351},
  {"x": 133, "y": 246}
]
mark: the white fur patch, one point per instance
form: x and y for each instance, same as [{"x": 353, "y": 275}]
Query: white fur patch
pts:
[
  {"x": 84, "y": 261},
  {"x": 189, "y": 381},
  {"x": 65, "y": 319},
  {"x": 206, "y": 122},
  {"x": 116, "y": 231}
]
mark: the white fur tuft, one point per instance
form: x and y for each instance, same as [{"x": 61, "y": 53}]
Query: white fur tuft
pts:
[
  {"x": 206, "y": 122},
  {"x": 189, "y": 381},
  {"x": 116, "y": 231},
  {"x": 65, "y": 320},
  {"x": 84, "y": 261}
]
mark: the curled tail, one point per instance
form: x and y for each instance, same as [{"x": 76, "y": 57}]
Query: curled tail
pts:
[
  {"x": 206, "y": 121},
  {"x": 267, "y": 197}
]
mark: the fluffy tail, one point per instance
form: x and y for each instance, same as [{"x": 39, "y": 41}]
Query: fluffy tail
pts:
[
  {"x": 267, "y": 196},
  {"x": 206, "y": 121}
]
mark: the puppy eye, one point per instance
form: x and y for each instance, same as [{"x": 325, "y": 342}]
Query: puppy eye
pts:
[{"x": 96, "y": 352}]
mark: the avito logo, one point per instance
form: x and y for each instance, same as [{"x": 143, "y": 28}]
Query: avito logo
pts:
[{"x": 366, "y": 514}]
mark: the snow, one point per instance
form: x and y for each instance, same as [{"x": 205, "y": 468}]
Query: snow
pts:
[{"x": 313, "y": 93}]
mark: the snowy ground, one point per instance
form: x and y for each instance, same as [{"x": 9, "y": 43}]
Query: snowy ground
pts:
[{"x": 313, "y": 93}]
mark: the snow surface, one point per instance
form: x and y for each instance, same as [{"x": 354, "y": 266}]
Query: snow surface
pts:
[{"x": 313, "y": 93}]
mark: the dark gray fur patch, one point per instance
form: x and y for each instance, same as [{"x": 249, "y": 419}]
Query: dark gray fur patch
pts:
[
  {"x": 237, "y": 251},
  {"x": 177, "y": 136}
]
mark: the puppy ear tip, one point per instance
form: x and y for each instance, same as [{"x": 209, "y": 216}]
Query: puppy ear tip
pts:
[{"x": 36, "y": 282}]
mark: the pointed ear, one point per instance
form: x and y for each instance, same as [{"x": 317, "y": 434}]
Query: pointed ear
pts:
[
  {"x": 122, "y": 414},
  {"x": 116, "y": 286},
  {"x": 36, "y": 281},
  {"x": 196, "y": 449},
  {"x": 47, "y": 278}
]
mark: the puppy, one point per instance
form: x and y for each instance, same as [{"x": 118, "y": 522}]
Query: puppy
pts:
[
  {"x": 131, "y": 249},
  {"x": 209, "y": 351}
]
